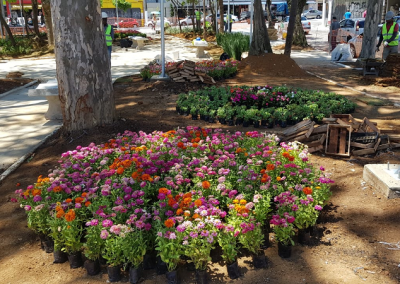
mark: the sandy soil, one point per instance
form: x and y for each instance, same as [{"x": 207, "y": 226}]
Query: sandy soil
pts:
[{"x": 346, "y": 246}]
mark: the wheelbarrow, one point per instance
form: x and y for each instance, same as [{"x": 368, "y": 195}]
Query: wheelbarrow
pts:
[{"x": 372, "y": 66}]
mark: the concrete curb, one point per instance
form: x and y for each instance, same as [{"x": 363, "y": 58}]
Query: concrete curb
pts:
[
  {"x": 350, "y": 88},
  {"x": 14, "y": 166},
  {"x": 18, "y": 89}
]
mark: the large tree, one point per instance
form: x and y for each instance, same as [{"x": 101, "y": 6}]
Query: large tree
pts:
[
  {"x": 290, "y": 29},
  {"x": 299, "y": 37},
  {"x": 48, "y": 21},
  {"x": 371, "y": 29},
  {"x": 83, "y": 65},
  {"x": 35, "y": 17},
  {"x": 221, "y": 15},
  {"x": 260, "y": 39}
]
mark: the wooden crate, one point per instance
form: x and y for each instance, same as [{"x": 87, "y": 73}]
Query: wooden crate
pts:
[{"x": 338, "y": 140}]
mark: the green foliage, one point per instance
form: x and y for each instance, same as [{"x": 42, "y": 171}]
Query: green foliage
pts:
[
  {"x": 234, "y": 44},
  {"x": 23, "y": 47},
  {"x": 122, "y": 4}
]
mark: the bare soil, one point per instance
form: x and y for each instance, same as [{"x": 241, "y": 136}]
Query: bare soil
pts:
[
  {"x": 346, "y": 246},
  {"x": 9, "y": 84}
]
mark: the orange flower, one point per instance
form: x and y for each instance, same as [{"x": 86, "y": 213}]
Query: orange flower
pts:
[
  {"x": 278, "y": 178},
  {"x": 60, "y": 213},
  {"x": 179, "y": 211},
  {"x": 135, "y": 175},
  {"x": 197, "y": 139},
  {"x": 146, "y": 177},
  {"x": 196, "y": 216},
  {"x": 57, "y": 189},
  {"x": 78, "y": 200},
  {"x": 163, "y": 190},
  {"x": 195, "y": 145},
  {"x": 262, "y": 171},
  {"x": 206, "y": 184},
  {"x": 307, "y": 190},
  {"x": 180, "y": 145},
  {"x": 87, "y": 203},
  {"x": 291, "y": 158},
  {"x": 70, "y": 216},
  {"x": 243, "y": 202},
  {"x": 264, "y": 178},
  {"x": 187, "y": 214},
  {"x": 198, "y": 203},
  {"x": 68, "y": 200},
  {"x": 26, "y": 192},
  {"x": 187, "y": 195},
  {"x": 18, "y": 184},
  {"x": 169, "y": 223},
  {"x": 84, "y": 194},
  {"x": 269, "y": 152},
  {"x": 36, "y": 192},
  {"x": 286, "y": 154},
  {"x": 270, "y": 167},
  {"x": 120, "y": 171}
]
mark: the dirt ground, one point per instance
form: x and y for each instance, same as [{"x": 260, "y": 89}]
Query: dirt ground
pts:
[
  {"x": 346, "y": 247},
  {"x": 9, "y": 84}
]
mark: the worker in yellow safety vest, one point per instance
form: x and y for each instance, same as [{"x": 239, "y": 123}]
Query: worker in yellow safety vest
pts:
[
  {"x": 198, "y": 19},
  {"x": 109, "y": 31},
  {"x": 389, "y": 36},
  {"x": 228, "y": 23}
]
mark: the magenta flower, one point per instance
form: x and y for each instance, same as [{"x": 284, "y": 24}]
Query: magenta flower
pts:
[
  {"x": 318, "y": 207},
  {"x": 107, "y": 223},
  {"x": 104, "y": 234}
]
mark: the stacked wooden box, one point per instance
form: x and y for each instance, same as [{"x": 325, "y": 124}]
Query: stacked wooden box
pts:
[
  {"x": 342, "y": 135},
  {"x": 184, "y": 71}
]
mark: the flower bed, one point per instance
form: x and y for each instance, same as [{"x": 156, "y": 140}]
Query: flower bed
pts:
[
  {"x": 217, "y": 69},
  {"x": 182, "y": 192},
  {"x": 124, "y": 34},
  {"x": 263, "y": 103}
]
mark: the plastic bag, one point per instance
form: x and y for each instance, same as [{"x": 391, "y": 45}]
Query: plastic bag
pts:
[{"x": 341, "y": 53}]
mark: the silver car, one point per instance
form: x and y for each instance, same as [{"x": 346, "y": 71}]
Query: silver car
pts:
[{"x": 312, "y": 14}]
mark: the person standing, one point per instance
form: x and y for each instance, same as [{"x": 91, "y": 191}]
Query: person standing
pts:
[
  {"x": 334, "y": 31},
  {"x": 389, "y": 36},
  {"x": 109, "y": 32},
  {"x": 154, "y": 21},
  {"x": 347, "y": 15}
]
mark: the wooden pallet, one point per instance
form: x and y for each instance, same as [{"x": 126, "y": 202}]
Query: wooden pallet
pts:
[{"x": 338, "y": 140}]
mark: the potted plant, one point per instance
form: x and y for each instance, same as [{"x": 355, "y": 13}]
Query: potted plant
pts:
[
  {"x": 55, "y": 225},
  {"x": 93, "y": 246},
  {"x": 227, "y": 239},
  {"x": 193, "y": 112},
  {"x": 240, "y": 111},
  {"x": 230, "y": 112},
  {"x": 221, "y": 113},
  {"x": 71, "y": 232},
  {"x": 265, "y": 115},
  {"x": 113, "y": 249},
  {"x": 212, "y": 114}
]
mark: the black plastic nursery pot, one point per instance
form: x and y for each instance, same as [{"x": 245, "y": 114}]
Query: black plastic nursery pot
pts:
[
  {"x": 230, "y": 122},
  {"x": 211, "y": 119},
  {"x": 135, "y": 274},
  {"x": 239, "y": 121},
  {"x": 256, "y": 124},
  {"x": 233, "y": 270},
  {"x": 48, "y": 245},
  {"x": 114, "y": 273},
  {"x": 304, "y": 236},
  {"x": 270, "y": 125},
  {"x": 92, "y": 267},
  {"x": 245, "y": 123},
  {"x": 283, "y": 124},
  {"x": 264, "y": 122},
  {"x": 201, "y": 277},
  {"x": 172, "y": 277},
  {"x": 190, "y": 266},
  {"x": 266, "y": 229},
  {"x": 161, "y": 266},
  {"x": 75, "y": 260},
  {"x": 149, "y": 261},
  {"x": 194, "y": 116},
  {"x": 60, "y": 256},
  {"x": 259, "y": 260},
  {"x": 284, "y": 251}
]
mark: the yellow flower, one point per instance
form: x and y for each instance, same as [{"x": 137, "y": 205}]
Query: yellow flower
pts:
[
  {"x": 235, "y": 201},
  {"x": 243, "y": 202}
]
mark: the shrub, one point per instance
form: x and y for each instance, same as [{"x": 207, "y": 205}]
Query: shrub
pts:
[
  {"x": 22, "y": 47},
  {"x": 234, "y": 44}
]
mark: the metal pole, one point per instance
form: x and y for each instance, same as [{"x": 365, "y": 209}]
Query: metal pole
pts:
[
  {"x": 116, "y": 8},
  {"x": 162, "y": 40},
  {"x": 251, "y": 19},
  {"x": 228, "y": 20},
  {"x": 324, "y": 13}
]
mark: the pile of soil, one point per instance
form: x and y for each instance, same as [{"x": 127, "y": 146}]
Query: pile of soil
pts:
[
  {"x": 269, "y": 64},
  {"x": 9, "y": 84}
]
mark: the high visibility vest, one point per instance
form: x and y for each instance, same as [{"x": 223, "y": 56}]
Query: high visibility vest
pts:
[
  {"x": 197, "y": 15},
  {"x": 388, "y": 34},
  {"x": 108, "y": 36}
]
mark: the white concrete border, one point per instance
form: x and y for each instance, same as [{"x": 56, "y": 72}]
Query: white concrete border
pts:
[
  {"x": 18, "y": 89},
  {"x": 14, "y": 166}
]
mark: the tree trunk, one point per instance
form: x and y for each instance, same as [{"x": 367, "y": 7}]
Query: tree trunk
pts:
[
  {"x": 194, "y": 19},
  {"x": 299, "y": 37},
  {"x": 35, "y": 17},
  {"x": 8, "y": 30},
  {"x": 204, "y": 20},
  {"x": 48, "y": 21},
  {"x": 260, "y": 40},
  {"x": 83, "y": 66},
  {"x": 221, "y": 15},
  {"x": 371, "y": 29},
  {"x": 25, "y": 16},
  {"x": 269, "y": 15},
  {"x": 290, "y": 30}
]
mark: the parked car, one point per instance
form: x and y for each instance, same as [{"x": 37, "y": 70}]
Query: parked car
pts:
[
  {"x": 246, "y": 15},
  {"x": 350, "y": 28},
  {"x": 312, "y": 14},
  {"x": 166, "y": 23},
  {"x": 356, "y": 45},
  {"x": 187, "y": 21},
  {"x": 304, "y": 21},
  {"x": 128, "y": 23}
]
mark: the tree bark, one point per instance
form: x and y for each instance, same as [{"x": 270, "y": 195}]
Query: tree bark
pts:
[
  {"x": 290, "y": 30},
  {"x": 35, "y": 17},
  {"x": 25, "y": 16},
  {"x": 204, "y": 20},
  {"x": 8, "y": 30},
  {"x": 299, "y": 37},
  {"x": 260, "y": 40},
  {"x": 221, "y": 15},
  {"x": 371, "y": 29},
  {"x": 48, "y": 21},
  {"x": 269, "y": 15},
  {"x": 83, "y": 66}
]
